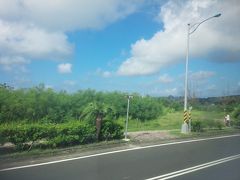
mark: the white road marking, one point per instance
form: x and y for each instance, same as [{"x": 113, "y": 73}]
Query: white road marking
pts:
[
  {"x": 117, "y": 151},
  {"x": 194, "y": 168}
]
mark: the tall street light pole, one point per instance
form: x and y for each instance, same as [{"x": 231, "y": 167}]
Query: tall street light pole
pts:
[{"x": 191, "y": 29}]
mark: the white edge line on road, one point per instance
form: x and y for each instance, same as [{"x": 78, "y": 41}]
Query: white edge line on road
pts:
[
  {"x": 194, "y": 168},
  {"x": 117, "y": 151}
]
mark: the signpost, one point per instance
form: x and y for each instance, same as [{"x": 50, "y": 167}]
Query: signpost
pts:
[{"x": 126, "y": 127}]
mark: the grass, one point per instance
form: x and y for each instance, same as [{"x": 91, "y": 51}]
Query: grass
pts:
[
  {"x": 207, "y": 132},
  {"x": 174, "y": 120}
]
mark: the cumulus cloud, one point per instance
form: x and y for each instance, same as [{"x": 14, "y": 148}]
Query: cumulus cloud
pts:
[
  {"x": 65, "y": 68},
  {"x": 67, "y": 15},
  {"x": 17, "y": 64},
  {"x": 168, "y": 46},
  {"x": 23, "y": 41},
  {"x": 37, "y": 29}
]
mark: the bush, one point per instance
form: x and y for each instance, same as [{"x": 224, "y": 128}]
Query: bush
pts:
[
  {"x": 72, "y": 133},
  {"x": 214, "y": 124},
  {"x": 219, "y": 125},
  {"x": 15, "y": 134},
  {"x": 236, "y": 116},
  {"x": 236, "y": 122},
  {"x": 111, "y": 130},
  {"x": 57, "y": 135},
  {"x": 197, "y": 126}
]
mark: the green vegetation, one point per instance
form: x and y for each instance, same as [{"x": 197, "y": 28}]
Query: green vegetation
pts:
[
  {"x": 173, "y": 120},
  {"x": 56, "y": 135},
  {"x": 40, "y": 117},
  {"x": 39, "y": 104},
  {"x": 43, "y": 118},
  {"x": 236, "y": 116}
]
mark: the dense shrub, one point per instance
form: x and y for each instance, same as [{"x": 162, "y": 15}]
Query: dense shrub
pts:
[
  {"x": 236, "y": 116},
  {"x": 214, "y": 124},
  {"x": 57, "y": 135},
  {"x": 72, "y": 133},
  {"x": 219, "y": 125},
  {"x": 197, "y": 126},
  {"x": 111, "y": 130},
  {"x": 14, "y": 134}
]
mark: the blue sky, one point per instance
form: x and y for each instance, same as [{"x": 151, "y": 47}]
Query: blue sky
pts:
[{"x": 111, "y": 45}]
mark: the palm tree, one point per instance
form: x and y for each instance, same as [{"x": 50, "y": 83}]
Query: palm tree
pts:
[{"x": 95, "y": 112}]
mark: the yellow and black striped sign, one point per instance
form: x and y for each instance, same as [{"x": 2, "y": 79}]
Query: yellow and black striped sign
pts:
[{"x": 185, "y": 116}]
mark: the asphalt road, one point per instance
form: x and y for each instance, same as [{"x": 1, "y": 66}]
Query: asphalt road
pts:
[{"x": 144, "y": 163}]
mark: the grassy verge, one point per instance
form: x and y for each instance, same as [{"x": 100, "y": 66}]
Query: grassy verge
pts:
[{"x": 173, "y": 120}]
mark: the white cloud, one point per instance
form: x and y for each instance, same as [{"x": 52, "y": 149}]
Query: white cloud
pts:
[
  {"x": 31, "y": 41},
  {"x": 168, "y": 46},
  {"x": 5, "y": 61},
  {"x": 16, "y": 64},
  {"x": 37, "y": 29},
  {"x": 165, "y": 78},
  {"x": 67, "y": 15},
  {"x": 20, "y": 43},
  {"x": 65, "y": 68}
]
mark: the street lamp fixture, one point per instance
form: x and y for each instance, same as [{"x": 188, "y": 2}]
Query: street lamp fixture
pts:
[
  {"x": 191, "y": 29},
  {"x": 217, "y": 15}
]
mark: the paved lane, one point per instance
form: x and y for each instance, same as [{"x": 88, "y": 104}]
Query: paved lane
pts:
[
  {"x": 136, "y": 164},
  {"x": 225, "y": 171}
]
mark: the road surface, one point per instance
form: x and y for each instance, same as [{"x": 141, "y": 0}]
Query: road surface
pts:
[{"x": 212, "y": 158}]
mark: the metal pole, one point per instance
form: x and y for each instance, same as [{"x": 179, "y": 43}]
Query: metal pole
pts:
[
  {"x": 185, "y": 116},
  {"x": 127, "y": 118},
  {"x": 186, "y": 71},
  {"x": 185, "y": 127}
]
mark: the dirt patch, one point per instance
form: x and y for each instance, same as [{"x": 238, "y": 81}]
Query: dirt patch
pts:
[{"x": 149, "y": 136}]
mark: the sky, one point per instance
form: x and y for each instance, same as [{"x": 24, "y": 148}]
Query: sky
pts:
[{"x": 115, "y": 45}]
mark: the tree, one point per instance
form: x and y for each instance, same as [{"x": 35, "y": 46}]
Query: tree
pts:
[
  {"x": 95, "y": 112},
  {"x": 145, "y": 108}
]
